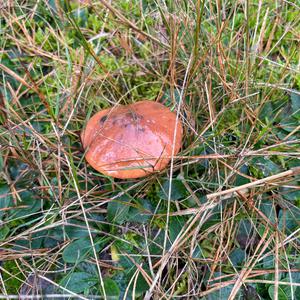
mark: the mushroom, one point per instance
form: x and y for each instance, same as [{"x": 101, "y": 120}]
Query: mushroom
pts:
[{"x": 131, "y": 141}]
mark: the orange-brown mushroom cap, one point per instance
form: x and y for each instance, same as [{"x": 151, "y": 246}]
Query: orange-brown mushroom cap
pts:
[{"x": 131, "y": 141}]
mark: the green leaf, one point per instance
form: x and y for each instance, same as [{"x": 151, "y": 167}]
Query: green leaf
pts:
[
  {"x": 140, "y": 214},
  {"x": 117, "y": 210},
  {"x": 123, "y": 279},
  {"x": 289, "y": 124},
  {"x": 250, "y": 292},
  {"x": 141, "y": 285},
  {"x": 178, "y": 190},
  {"x": 31, "y": 202},
  {"x": 269, "y": 210},
  {"x": 291, "y": 194},
  {"x": 76, "y": 229},
  {"x": 12, "y": 283},
  {"x": 197, "y": 252},
  {"x": 87, "y": 267},
  {"x": 80, "y": 249},
  {"x": 155, "y": 248},
  {"x": 125, "y": 262},
  {"x": 282, "y": 294},
  {"x": 176, "y": 224},
  {"x": 5, "y": 199},
  {"x": 295, "y": 277},
  {"x": 78, "y": 282},
  {"x": 77, "y": 250},
  {"x": 240, "y": 180},
  {"x": 4, "y": 230},
  {"x": 40, "y": 237},
  {"x": 221, "y": 294},
  {"x": 130, "y": 267},
  {"x": 168, "y": 99},
  {"x": 1, "y": 162},
  {"x": 245, "y": 234},
  {"x": 288, "y": 220},
  {"x": 207, "y": 248},
  {"x": 263, "y": 167},
  {"x": 267, "y": 111},
  {"x": 237, "y": 257},
  {"x": 269, "y": 262},
  {"x": 112, "y": 290},
  {"x": 295, "y": 99}
]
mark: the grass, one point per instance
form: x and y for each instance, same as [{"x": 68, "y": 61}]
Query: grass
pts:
[{"x": 222, "y": 221}]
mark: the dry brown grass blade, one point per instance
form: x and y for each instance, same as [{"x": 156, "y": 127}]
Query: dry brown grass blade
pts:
[
  {"x": 262, "y": 246},
  {"x": 243, "y": 189},
  {"x": 266, "y": 180},
  {"x": 276, "y": 285},
  {"x": 75, "y": 81},
  {"x": 131, "y": 25},
  {"x": 141, "y": 49},
  {"x": 33, "y": 87},
  {"x": 34, "y": 50},
  {"x": 16, "y": 76},
  {"x": 62, "y": 288},
  {"x": 9, "y": 255}
]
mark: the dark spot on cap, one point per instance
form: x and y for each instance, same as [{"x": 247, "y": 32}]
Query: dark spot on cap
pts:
[
  {"x": 103, "y": 119},
  {"x": 141, "y": 129},
  {"x": 134, "y": 116}
]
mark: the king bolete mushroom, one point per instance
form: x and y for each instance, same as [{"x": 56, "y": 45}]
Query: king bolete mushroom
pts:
[{"x": 131, "y": 141}]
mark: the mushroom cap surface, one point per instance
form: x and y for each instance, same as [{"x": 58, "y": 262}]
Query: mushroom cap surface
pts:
[{"x": 131, "y": 141}]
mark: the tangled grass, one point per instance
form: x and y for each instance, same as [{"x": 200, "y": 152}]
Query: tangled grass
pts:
[{"x": 222, "y": 222}]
